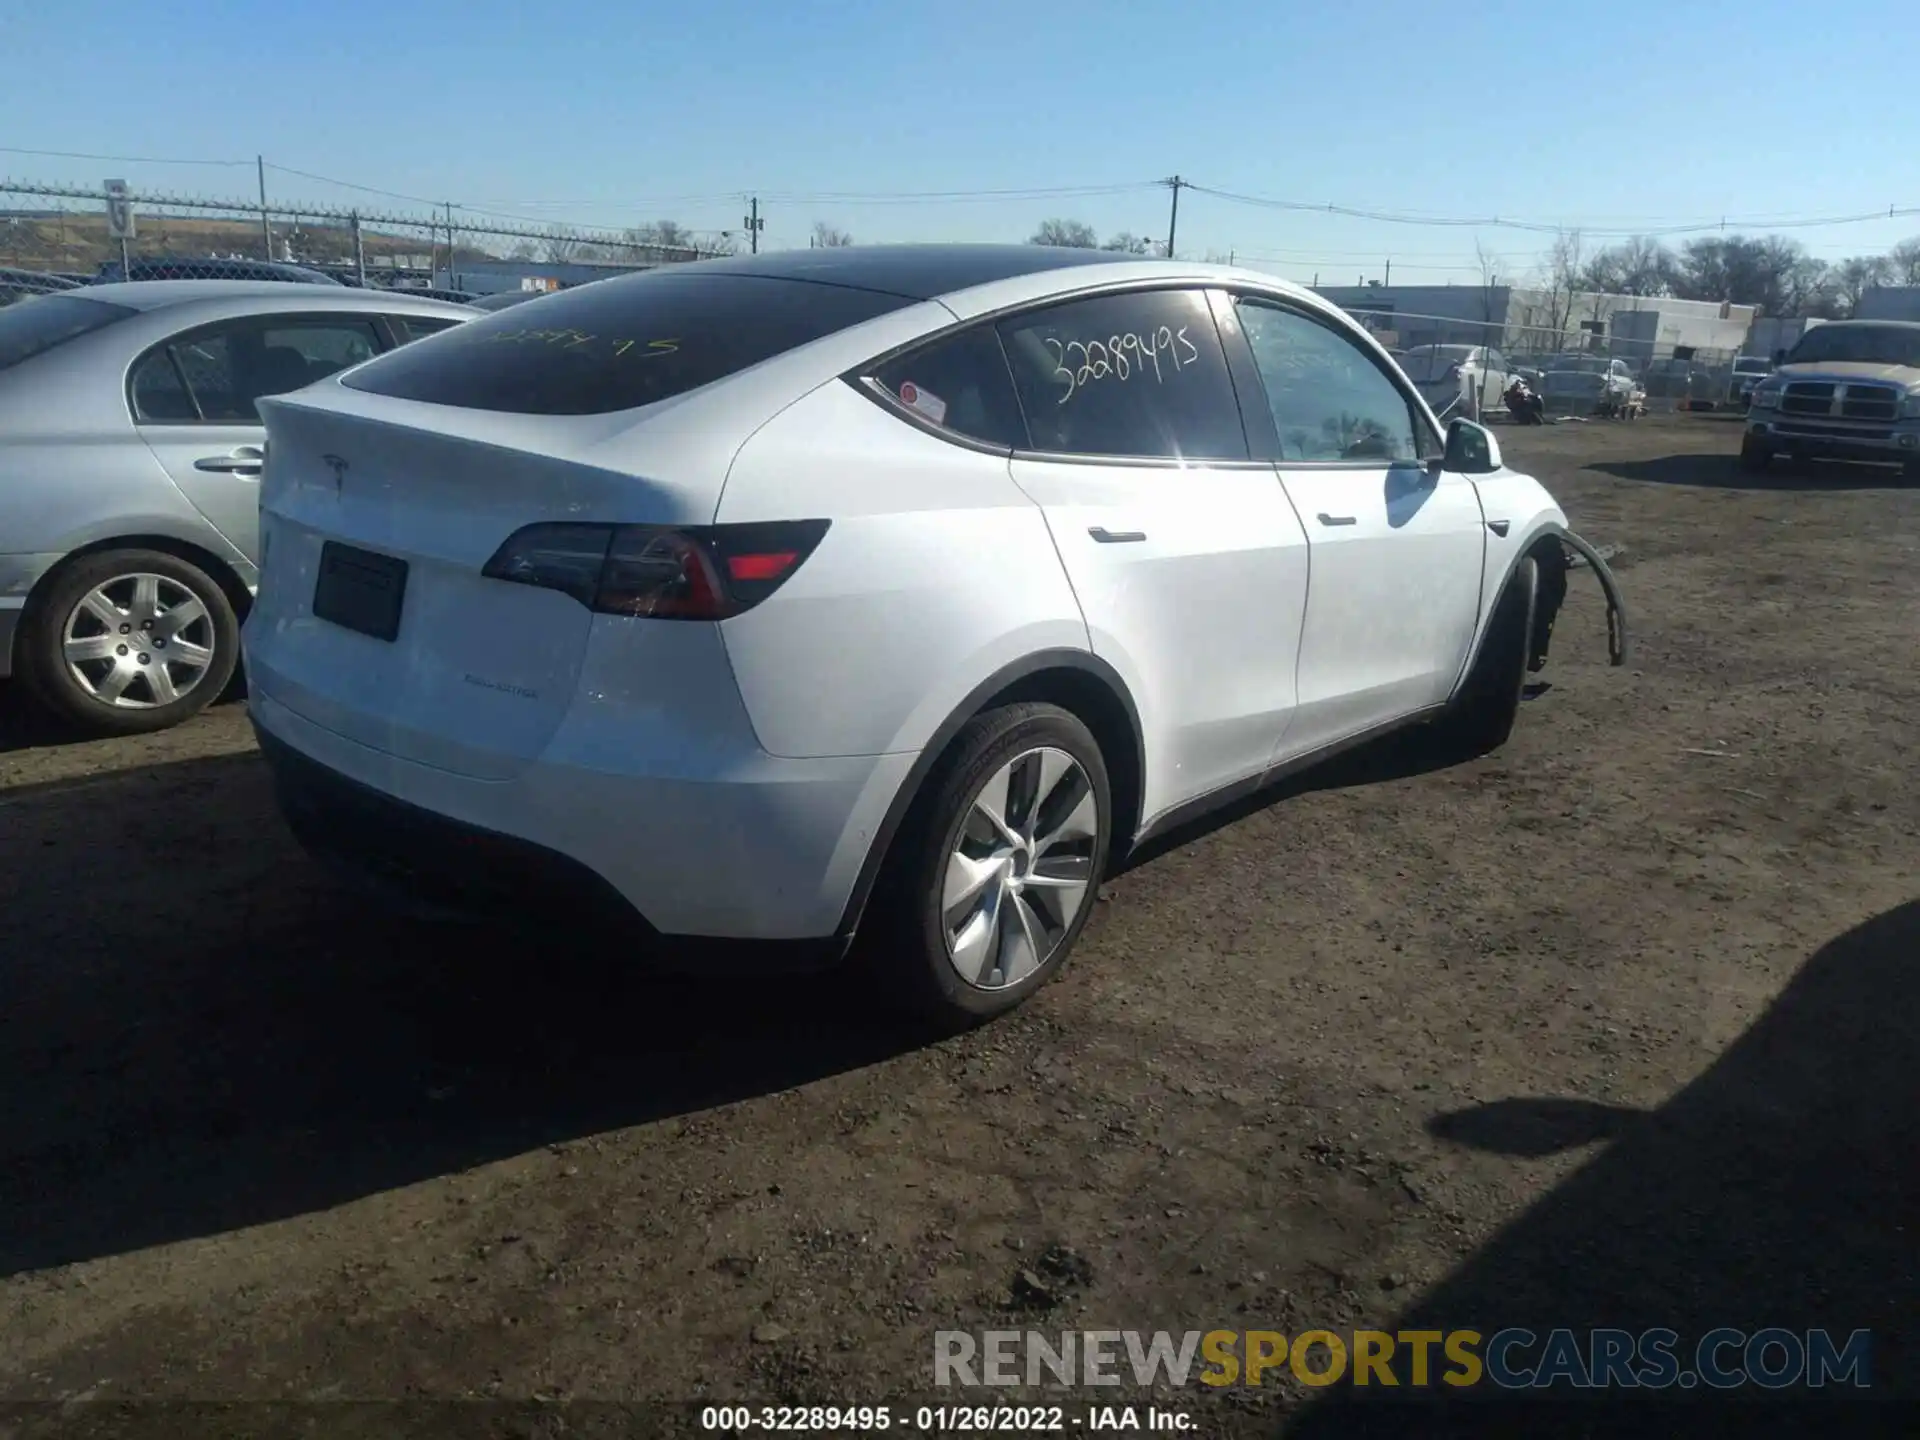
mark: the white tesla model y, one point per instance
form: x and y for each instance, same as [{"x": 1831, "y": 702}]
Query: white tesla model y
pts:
[{"x": 904, "y": 589}]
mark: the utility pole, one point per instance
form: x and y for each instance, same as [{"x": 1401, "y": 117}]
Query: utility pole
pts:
[
  {"x": 754, "y": 224},
  {"x": 359, "y": 252},
  {"x": 1389, "y": 270},
  {"x": 1173, "y": 220},
  {"x": 266, "y": 228},
  {"x": 453, "y": 282}
]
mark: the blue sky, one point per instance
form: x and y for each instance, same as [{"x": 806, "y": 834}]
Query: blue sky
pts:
[{"x": 1630, "y": 115}]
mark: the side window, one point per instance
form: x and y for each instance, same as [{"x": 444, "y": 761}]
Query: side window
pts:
[
  {"x": 1329, "y": 401},
  {"x": 228, "y": 368},
  {"x": 416, "y": 327},
  {"x": 1136, "y": 374},
  {"x": 323, "y": 346},
  {"x": 157, "y": 390},
  {"x": 960, "y": 384}
]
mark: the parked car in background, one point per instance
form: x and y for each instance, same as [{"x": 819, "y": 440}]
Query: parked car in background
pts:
[
  {"x": 1528, "y": 369},
  {"x": 130, "y": 460},
  {"x": 189, "y": 268},
  {"x": 1588, "y": 385},
  {"x": 904, "y": 587},
  {"x": 20, "y": 284},
  {"x": 1469, "y": 379},
  {"x": 1672, "y": 378},
  {"x": 1748, "y": 371},
  {"x": 1848, "y": 390}
]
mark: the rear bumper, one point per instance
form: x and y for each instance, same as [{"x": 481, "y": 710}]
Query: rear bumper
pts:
[
  {"x": 767, "y": 853},
  {"x": 1896, "y": 440}
]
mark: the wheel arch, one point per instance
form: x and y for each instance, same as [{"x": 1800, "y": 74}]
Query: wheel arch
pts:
[
  {"x": 1556, "y": 550},
  {"x": 1079, "y": 682},
  {"x": 1543, "y": 544},
  {"x": 219, "y": 570}
]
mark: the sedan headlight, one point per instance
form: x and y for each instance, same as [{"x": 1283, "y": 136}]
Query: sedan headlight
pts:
[
  {"x": 1765, "y": 397},
  {"x": 1910, "y": 407}
]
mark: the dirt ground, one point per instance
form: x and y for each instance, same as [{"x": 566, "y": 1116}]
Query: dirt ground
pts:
[{"x": 1617, "y": 1026}]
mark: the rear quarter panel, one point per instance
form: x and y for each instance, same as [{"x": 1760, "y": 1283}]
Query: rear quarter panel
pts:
[{"x": 937, "y": 571}]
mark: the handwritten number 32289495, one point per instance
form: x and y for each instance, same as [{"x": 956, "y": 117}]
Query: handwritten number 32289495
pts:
[{"x": 1121, "y": 357}]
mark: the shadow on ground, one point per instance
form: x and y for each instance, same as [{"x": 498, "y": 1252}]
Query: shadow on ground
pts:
[
  {"x": 1723, "y": 472},
  {"x": 199, "y": 1032},
  {"x": 1781, "y": 1188},
  {"x": 1418, "y": 750}
]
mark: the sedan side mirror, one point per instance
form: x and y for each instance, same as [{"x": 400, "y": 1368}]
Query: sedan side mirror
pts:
[{"x": 1471, "y": 449}]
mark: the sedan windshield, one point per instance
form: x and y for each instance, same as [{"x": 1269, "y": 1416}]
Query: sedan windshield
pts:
[
  {"x": 1859, "y": 344},
  {"x": 1577, "y": 364},
  {"x": 36, "y": 325}
]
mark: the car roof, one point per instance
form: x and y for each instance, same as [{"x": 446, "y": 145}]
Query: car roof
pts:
[
  {"x": 158, "y": 294},
  {"x": 915, "y": 272},
  {"x": 1863, "y": 325}
]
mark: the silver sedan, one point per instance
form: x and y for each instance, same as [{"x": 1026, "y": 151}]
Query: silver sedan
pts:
[{"x": 130, "y": 457}]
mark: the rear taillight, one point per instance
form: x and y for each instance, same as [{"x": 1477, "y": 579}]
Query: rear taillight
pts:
[{"x": 659, "y": 572}]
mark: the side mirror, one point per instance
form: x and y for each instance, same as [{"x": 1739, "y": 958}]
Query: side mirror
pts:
[{"x": 1471, "y": 449}]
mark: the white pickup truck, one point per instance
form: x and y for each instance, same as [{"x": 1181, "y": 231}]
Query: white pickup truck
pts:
[{"x": 1849, "y": 390}]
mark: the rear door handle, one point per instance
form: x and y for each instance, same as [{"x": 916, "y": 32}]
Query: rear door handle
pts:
[
  {"x": 1326, "y": 519},
  {"x": 1116, "y": 537},
  {"x": 245, "y": 460}
]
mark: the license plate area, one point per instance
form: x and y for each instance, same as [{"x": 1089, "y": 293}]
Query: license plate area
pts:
[{"x": 360, "y": 590}]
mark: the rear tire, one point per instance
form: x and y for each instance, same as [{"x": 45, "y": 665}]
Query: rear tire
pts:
[
  {"x": 975, "y": 913},
  {"x": 94, "y": 651},
  {"x": 1755, "y": 457},
  {"x": 1483, "y": 713}
]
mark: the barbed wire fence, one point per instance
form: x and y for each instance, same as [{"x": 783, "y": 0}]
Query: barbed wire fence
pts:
[{"x": 64, "y": 230}]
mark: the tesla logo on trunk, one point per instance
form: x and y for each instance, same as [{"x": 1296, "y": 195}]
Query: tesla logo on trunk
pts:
[{"x": 339, "y": 470}]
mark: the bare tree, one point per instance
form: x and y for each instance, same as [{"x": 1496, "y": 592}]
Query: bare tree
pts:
[
  {"x": 1852, "y": 278},
  {"x": 1903, "y": 263},
  {"x": 1564, "y": 265},
  {"x": 1769, "y": 271},
  {"x": 563, "y": 243},
  {"x": 826, "y": 237},
  {"x": 1640, "y": 266},
  {"x": 1072, "y": 234},
  {"x": 1127, "y": 243}
]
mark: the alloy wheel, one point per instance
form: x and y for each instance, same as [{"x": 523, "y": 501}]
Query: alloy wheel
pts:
[
  {"x": 1018, "y": 874},
  {"x": 138, "y": 641}
]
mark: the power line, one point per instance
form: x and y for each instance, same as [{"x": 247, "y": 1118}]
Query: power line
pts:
[
  {"x": 115, "y": 159},
  {"x": 1390, "y": 217}
]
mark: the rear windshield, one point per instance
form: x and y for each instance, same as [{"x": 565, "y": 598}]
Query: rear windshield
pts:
[
  {"x": 1866, "y": 344},
  {"x": 45, "y": 321},
  {"x": 619, "y": 344}
]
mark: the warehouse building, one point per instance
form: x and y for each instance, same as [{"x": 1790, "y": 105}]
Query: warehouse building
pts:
[{"x": 1523, "y": 320}]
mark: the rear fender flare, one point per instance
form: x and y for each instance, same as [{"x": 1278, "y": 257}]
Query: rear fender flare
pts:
[{"x": 975, "y": 701}]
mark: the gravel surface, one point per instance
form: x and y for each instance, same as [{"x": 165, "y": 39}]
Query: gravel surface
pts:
[{"x": 1617, "y": 1026}]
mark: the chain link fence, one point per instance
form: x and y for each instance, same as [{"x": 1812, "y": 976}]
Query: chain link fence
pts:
[
  {"x": 54, "y": 237},
  {"x": 1581, "y": 371}
]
